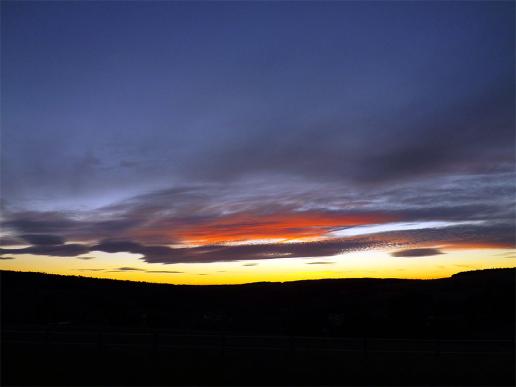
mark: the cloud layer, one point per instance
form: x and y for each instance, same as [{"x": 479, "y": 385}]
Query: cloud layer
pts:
[
  {"x": 339, "y": 127},
  {"x": 417, "y": 253}
]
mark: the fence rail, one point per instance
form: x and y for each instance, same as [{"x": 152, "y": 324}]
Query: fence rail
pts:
[{"x": 158, "y": 341}]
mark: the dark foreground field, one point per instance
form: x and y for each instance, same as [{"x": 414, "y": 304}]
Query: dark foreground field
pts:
[{"x": 76, "y": 331}]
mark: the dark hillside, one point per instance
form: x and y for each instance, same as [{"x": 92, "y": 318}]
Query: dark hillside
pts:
[
  {"x": 59, "y": 330},
  {"x": 471, "y": 304}
]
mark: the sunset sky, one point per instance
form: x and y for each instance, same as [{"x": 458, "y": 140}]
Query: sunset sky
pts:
[{"x": 232, "y": 142}]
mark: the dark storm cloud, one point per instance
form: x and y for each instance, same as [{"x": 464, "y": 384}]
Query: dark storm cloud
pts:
[
  {"x": 417, "y": 252},
  {"x": 42, "y": 239}
]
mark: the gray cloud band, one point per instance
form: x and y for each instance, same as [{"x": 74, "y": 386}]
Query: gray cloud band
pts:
[{"x": 494, "y": 234}]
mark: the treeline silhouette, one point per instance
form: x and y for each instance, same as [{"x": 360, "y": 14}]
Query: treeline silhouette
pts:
[
  {"x": 477, "y": 304},
  {"x": 65, "y": 330}
]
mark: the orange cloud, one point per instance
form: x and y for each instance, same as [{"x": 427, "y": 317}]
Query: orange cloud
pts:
[{"x": 247, "y": 226}]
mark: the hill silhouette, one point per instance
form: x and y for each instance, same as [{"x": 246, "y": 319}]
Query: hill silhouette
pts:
[
  {"x": 66, "y": 330},
  {"x": 450, "y": 307}
]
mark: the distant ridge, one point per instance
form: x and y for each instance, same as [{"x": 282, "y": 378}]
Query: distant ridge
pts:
[
  {"x": 496, "y": 273},
  {"x": 475, "y": 304},
  {"x": 491, "y": 273}
]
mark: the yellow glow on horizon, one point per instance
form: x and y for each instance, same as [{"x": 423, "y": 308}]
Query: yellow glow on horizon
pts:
[{"x": 376, "y": 264}]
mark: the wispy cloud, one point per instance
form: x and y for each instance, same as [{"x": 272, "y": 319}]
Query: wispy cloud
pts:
[
  {"x": 320, "y": 263},
  {"x": 389, "y": 227},
  {"x": 427, "y": 252},
  {"x": 485, "y": 235}
]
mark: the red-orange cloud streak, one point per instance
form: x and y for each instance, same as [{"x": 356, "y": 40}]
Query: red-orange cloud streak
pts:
[{"x": 249, "y": 226}]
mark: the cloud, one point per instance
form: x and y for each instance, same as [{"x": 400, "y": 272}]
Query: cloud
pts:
[
  {"x": 129, "y": 269},
  {"x": 203, "y": 254},
  {"x": 39, "y": 222},
  {"x": 245, "y": 226},
  {"x": 85, "y": 258},
  {"x": 43, "y": 227},
  {"x": 6, "y": 258},
  {"x": 320, "y": 263},
  {"x": 316, "y": 221},
  {"x": 42, "y": 239},
  {"x": 250, "y": 264},
  {"x": 217, "y": 213},
  {"x": 215, "y": 253},
  {"x": 494, "y": 235},
  {"x": 427, "y": 252},
  {"x": 10, "y": 241},
  {"x": 416, "y": 142},
  {"x": 484, "y": 235},
  {"x": 388, "y": 227},
  {"x": 67, "y": 250},
  {"x": 451, "y": 112}
]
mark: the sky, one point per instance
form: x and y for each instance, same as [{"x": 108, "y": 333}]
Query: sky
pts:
[{"x": 232, "y": 142}]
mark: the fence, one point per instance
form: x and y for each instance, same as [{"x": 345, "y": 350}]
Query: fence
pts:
[{"x": 159, "y": 341}]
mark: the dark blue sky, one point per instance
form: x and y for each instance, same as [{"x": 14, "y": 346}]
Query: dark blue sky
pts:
[{"x": 255, "y": 107}]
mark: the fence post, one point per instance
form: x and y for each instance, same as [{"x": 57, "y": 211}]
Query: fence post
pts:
[
  {"x": 437, "y": 362},
  {"x": 292, "y": 346},
  {"x": 223, "y": 345},
  {"x": 437, "y": 347},
  {"x": 100, "y": 344},
  {"x": 101, "y": 365},
  {"x": 223, "y": 355},
  {"x": 365, "y": 368},
  {"x": 155, "y": 344},
  {"x": 291, "y": 360}
]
